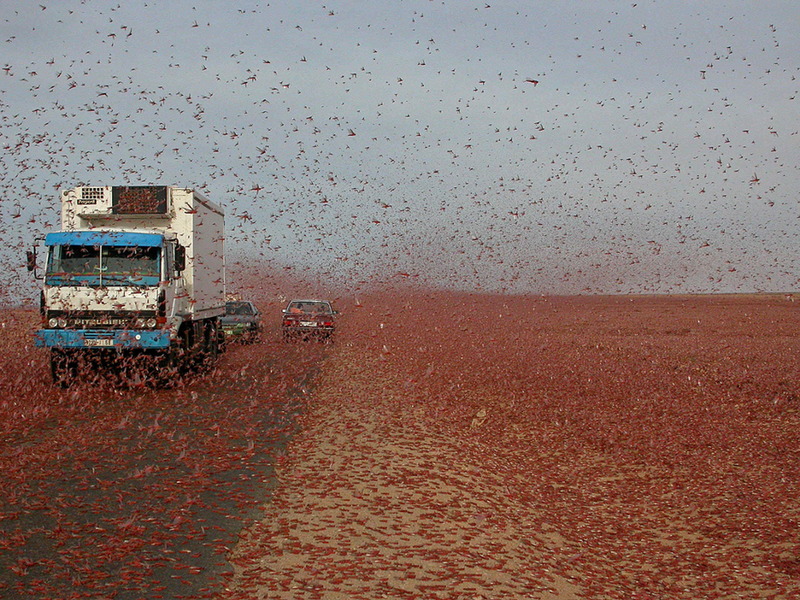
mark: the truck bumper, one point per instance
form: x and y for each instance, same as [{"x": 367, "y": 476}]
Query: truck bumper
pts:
[{"x": 84, "y": 338}]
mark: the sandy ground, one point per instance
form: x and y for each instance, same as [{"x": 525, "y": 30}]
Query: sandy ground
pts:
[
  {"x": 448, "y": 446},
  {"x": 483, "y": 447},
  {"x": 374, "y": 503}
]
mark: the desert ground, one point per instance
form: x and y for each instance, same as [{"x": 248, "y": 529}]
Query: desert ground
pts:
[
  {"x": 473, "y": 446},
  {"x": 459, "y": 446}
]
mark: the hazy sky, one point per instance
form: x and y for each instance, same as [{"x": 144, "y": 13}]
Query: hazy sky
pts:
[{"x": 545, "y": 147}]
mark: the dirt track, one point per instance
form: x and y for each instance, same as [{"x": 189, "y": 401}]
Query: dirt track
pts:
[{"x": 479, "y": 447}]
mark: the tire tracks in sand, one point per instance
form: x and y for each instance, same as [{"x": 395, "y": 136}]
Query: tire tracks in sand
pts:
[{"x": 376, "y": 502}]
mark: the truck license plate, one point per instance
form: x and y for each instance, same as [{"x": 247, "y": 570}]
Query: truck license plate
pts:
[
  {"x": 308, "y": 323},
  {"x": 99, "y": 342}
]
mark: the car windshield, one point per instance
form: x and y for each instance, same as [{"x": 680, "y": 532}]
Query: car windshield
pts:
[
  {"x": 310, "y": 307},
  {"x": 238, "y": 308}
]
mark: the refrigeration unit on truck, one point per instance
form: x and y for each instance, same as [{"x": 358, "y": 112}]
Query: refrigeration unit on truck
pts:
[{"x": 136, "y": 274}]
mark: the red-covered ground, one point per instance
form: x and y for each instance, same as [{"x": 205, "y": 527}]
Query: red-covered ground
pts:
[
  {"x": 469, "y": 446},
  {"x": 449, "y": 446},
  {"x": 113, "y": 489}
]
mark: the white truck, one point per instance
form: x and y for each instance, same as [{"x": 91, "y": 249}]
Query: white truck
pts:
[{"x": 136, "y": 276}]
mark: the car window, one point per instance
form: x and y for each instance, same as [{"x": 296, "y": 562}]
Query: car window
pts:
[
  {"x": 234, "y": 308},
  {"x": 309, "y": 307}
]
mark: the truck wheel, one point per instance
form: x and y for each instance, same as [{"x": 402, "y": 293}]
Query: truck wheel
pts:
[
  {"x": 185, "y": 354},
  {"x": 221, "y": 340},
  {"x": 63, "y": 367},
  {"x": 211, "y": 350},
  {"x": 167, "y": 368}
]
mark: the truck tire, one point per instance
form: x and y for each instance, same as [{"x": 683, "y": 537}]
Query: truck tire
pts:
[
  {"x": 185, "y": 350},
  {"x": 167, "y": 367},
  {"x": 63, "y": 367},
  {"x": 210, "y": 344}
]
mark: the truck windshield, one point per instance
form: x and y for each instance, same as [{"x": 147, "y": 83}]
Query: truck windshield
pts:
[{"x": 104, "y": 265}]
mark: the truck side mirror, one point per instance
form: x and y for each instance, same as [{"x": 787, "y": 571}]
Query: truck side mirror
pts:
[
  {"x": 180, "y": 258},
  {"x": 31, "y": 263},
  {"x": 31, "y": 260}
]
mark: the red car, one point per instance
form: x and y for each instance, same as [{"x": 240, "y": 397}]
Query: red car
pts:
[{"x": 307, "y": 319}]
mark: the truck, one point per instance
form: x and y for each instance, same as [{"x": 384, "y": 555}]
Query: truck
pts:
[{"x": 134, "y": 278}]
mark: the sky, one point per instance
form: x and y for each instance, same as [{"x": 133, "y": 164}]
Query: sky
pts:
[{"x": 571, "y": 147}]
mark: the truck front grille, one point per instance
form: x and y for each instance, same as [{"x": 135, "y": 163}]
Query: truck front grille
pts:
[{"x": 100, "y": 321}]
